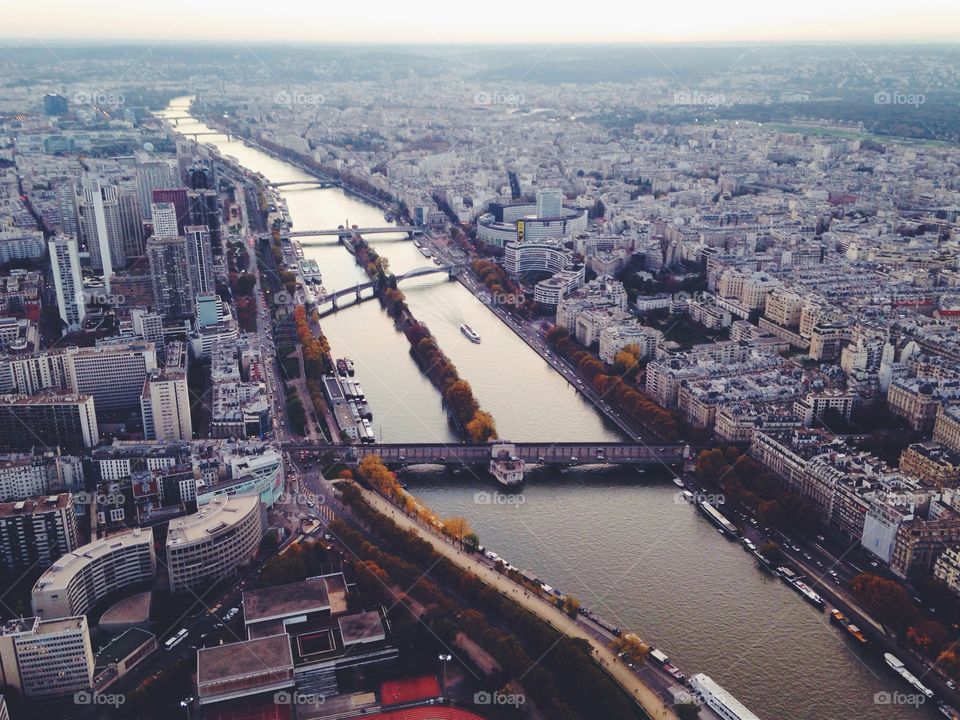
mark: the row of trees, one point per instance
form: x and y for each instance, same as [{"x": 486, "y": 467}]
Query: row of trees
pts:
[
  {"x": 316, "y": 351},
  {"x": 457, "y": 394},
  {"x": 890, "y": 602},
  {"x": 615, "y": 387},
  {"x": 746, "y": 483},
  {"x": 499, "y": 283},
  {"x": 557, "y": 672}
]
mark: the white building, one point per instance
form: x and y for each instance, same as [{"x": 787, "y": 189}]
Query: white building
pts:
[
  {"x": 164, "y": 220},
  {"x": 80, "y": 579},
  {"x": 165, "y": 406},
  {"x": 65, "y": 264},
  {"x": 47, "y": 658}
]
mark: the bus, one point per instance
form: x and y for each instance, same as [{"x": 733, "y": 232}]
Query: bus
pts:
[{"x": 176, "y": 639}]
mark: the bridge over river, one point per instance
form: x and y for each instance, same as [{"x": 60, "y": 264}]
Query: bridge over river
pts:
[{"x": 560, "y": 454}]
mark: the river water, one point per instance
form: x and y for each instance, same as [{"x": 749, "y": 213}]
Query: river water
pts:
[{"x": 618, "y": 540}]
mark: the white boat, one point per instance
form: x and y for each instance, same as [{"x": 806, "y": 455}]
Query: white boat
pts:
[
  {"x": 898, "y": 667},
  {"x": 470, "y": 333},
  {"x": 678, "y": 482},
  {"x": 719, "y": 699},
  {"x": 505, "y": 466}
]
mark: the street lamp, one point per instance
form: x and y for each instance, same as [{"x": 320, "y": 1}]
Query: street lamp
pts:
[
  {"x": 444, "y": 658},
  {"x": 185, "y": 703}
]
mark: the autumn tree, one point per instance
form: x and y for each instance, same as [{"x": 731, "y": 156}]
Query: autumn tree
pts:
[
  {"x": 634, "y": 649},
  {"x": 457, "y": 527}
]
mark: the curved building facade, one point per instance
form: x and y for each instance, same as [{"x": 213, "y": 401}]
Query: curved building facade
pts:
[
  {"x": 214, "y": 541},
  {"x": 522, "y": 222},
  {"x": 79, "y": 579},
  {"x": 544, "y": 256}
]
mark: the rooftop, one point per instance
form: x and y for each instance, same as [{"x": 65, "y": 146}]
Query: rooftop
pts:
[
  {"x": 235, "y": 661},
  {"x": 217, "y": 515},
  {"x": 282, "y": 600}
]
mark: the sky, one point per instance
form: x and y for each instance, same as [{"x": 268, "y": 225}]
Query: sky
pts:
[{"x": 489, "y": 21}]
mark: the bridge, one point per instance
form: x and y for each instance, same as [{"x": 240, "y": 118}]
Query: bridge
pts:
[
  {"x": 561, "y": 454},
  {"x": 357, "y": 290},
  {"x": 411, "y": 229},
  {"x": 316, "y": 182}
]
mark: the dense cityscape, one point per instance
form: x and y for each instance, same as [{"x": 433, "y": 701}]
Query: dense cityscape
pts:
[{"x": 479, "y": 382}]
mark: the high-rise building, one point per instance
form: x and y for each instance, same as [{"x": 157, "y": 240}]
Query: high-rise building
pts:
[
  {"x": 164, "y": 215},
  {"x": 65, "y": 264},
  {"x": 177, "y": 196},
  {"x": 165, "y": 406},
  {"x": 48, "y": 420},
  {"x": 205, "y": 210},
  {"x": 46, "y": 658},
  {"x": 131, "y": 222},
  {"x": 63, "y": 189},
  {"x": 201, "y": 259},
  {"x": 112, "y": 375},
  {"x": 148, "y": 325},
  {"x": 152, "y": 175},
  {"x": 549, "y": 203},
  {"x": 100, "y": 226},
  {"x": 34, "y": 533},
  {"x": 54, "y": 104},
  {"x": 201, "y": 178},
  {"x": 170, "y": 266}
]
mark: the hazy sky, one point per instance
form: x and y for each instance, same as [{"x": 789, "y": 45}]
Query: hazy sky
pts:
[{"x": 418, "y": 21}]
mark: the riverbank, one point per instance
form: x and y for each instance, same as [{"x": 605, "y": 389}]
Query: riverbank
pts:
[{"x": 644, "y": 695}]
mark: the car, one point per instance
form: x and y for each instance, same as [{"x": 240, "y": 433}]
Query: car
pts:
[
  {"x": 833, "y": 574},
  {"x": 951, "y": 683}
]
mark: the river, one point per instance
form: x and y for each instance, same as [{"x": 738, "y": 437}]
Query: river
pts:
[{"x": 618, "y": 540}]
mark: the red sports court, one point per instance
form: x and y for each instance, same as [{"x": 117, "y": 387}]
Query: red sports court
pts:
[{"x": 409, "y": 690}]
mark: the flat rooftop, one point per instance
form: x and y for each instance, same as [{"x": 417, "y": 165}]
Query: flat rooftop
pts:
[
  {"x": 122, "y": 646},
  {"x": 362, "y": 627},
  {"x": 217, "y": 515},
  {"x": 42, "y": 504},
  {"x": 284, "y": 600},
  {"x": 239, "y": 660}
]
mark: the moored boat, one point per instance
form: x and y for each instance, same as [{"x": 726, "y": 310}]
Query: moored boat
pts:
[{"x": 470, "y": 333}]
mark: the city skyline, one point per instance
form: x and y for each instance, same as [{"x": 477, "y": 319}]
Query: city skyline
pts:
[{"x": 380, "y": 22}]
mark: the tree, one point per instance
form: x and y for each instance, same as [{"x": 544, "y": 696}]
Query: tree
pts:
[
  {"x": 482, "y": 427},
  {"x": 634, "y": 649},
  {"x": 570, "y": 605},
  {"x": 457, "y": 527}
]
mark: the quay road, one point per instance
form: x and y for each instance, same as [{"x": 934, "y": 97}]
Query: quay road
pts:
[
  {"x": 532, "y": 453},
  {"x": 656, "y": 701}
]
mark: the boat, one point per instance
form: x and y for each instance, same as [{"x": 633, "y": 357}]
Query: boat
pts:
[
  {"x": 688, "y": 496},
  {"x": 678, "y": 482},
  {"x": 470, "y": 333},
  {"x": 947, "y": 711},
  {"x": 341, "y": 367},
  {"x": 505, "y": 466},
  {"x": 896, "y": 664},
  {"x": 808, "y": 594},
  {"x": 417, "y": 243},
  {"x": 349, "y": 363},
  {"x": 838, "y": 618},
  {"x": 717, "y": 519},
  {"x": 426, "y": 252},
  {"x": 720, "y": 700}
]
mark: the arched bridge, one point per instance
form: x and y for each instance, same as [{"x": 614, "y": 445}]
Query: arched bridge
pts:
[{"x": 357, "y": 290}]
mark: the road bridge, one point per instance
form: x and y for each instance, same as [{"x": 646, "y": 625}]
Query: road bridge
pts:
[
  {"x": 357, "y": 291},
  {"x": 318, "y": 182},
  {"x": 559, "y": 454}
]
